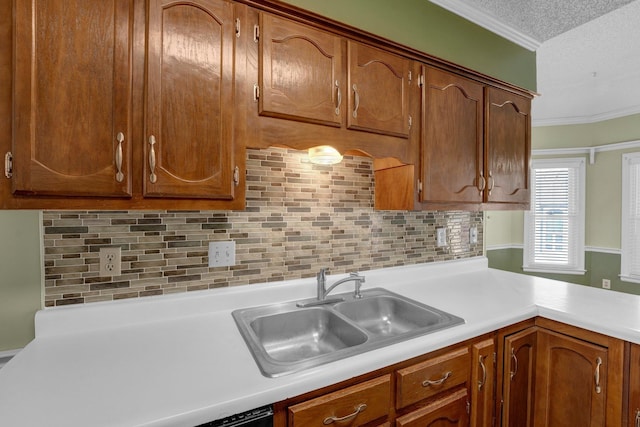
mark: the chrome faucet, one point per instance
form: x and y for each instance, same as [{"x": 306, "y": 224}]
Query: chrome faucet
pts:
[{"x": 322, "y": 284}]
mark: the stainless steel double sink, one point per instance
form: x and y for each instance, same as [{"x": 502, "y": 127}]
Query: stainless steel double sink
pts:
[{"x": 286, "y": 338}]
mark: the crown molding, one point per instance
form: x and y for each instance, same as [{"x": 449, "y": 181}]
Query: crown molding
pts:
[
  {"x": 488, "y": 22},
  {"x": 581, "y": 120}
]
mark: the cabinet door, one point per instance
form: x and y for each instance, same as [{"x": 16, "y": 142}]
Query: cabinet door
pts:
[
  {"x": 448, "y": 411},
  {"x": 634, "y": 387},
  {"x": 483, "y": 373},
  {"x": 508, "y": 146},
  {"x": 452, "y": 159},
  {"x": 519, "y": 382},
  {"x": 301, "y": 72},
  {"x": 189, "y": 120},
  {"x": 378, "y": 91},
  {"x": 571, "y": 382},
  {"x": 72, "y": 97}
]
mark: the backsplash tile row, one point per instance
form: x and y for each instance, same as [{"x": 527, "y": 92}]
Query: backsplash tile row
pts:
[{"x": 299, "y": 217}]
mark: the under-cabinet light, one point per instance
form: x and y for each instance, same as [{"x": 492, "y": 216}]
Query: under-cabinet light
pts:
[{"x": 324, "y": 155}]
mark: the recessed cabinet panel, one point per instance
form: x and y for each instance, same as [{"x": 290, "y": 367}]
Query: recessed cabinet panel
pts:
[
  {"x": 378, "y": 91},
  {"x": 300, "y": 73},
  {"x": 72, "y": 97},
  {"x": 189, "y": 126},
  {"x": 483, "y": 380},
  {"x": 519, "y": 380},
  {"x": 452, "y": 159},
  {"x": 508, "y": 146}
]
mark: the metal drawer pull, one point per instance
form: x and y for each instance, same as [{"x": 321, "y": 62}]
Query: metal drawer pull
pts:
[
  {"x": 492, "y": 182},
  {"x": 339, "y": 98},
  {"x": 152, "y": 160},
  {"x": 119, "y": 174},
  {"x": 597, "y": 375},
  {"x": 429, "y": 383},
  {"x": 329, "y": 420},
  {"x": 515, "y": 364},
  {"x": 484, "y": 373},
  {"x": 356, "y": 101},
  {"x": 483, "y": 183}
]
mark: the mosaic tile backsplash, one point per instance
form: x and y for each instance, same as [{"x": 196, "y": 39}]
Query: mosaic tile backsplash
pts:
[{"x": 299, "y": 217}]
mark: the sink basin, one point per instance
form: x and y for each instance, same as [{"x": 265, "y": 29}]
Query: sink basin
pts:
[
  {"x": 290, "y": 337},
  {"x": 387, "y": 315},
  {"x": 298, "y": 335}
]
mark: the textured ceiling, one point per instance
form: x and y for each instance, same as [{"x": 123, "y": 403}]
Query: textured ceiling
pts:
[{"x": 587, "y": 52}]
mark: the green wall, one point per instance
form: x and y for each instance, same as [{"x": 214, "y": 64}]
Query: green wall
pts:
[
  {"x": 21, "y": 280},
  {"x": 504, "y": 231},
  {"x": 429, "y": 28}
]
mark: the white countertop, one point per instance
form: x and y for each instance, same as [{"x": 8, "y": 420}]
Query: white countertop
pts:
[{"x": 179, "y": 360}]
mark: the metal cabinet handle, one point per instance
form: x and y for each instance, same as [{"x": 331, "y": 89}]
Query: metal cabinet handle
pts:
[
  {"x": 483, "y": 183},
  {"x": 329, "y": 420},
  {"x": 339, "y": 98},
  {"x": 236, "y": 175},
  {"x": 356, "y": 101},
  {"x": 491, "y": 182},
  {"x": 484, "y": 373},
  {"x": 152, "y": 160},
  {"x": 637, "y": 420},
  {"x": 597, "y": 375},
  {"x": 515, "y": 364},
  {"x": 429, "y": 383},
  {"x": 119, "y": 174}
]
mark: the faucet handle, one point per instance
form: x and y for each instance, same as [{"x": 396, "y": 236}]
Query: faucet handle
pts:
[{"x": 322, "y": 274}]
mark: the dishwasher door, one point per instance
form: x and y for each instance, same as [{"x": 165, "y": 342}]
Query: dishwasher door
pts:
[{"x": 259, "y": 417}]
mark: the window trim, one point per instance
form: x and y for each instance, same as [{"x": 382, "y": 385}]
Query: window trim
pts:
[
  {"x": 578, "y": 163},
  {"x": 628, "y": 159}
]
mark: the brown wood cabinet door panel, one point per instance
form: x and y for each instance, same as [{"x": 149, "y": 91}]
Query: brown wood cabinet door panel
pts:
[
  {"x": 519, "y": 382},
  {"x": 571, "y": 382},
  {"x": 452, "y": 159},
  {"x": 72, "y": 96},
  {"x": 507, "y": 146},
  {"x": 426, "y": 379},
  {"x": 353, "y": 406},
  {"x": 378, "y": 91},
  {"x": 634, "y": 387},
  {"x": 483, "y": 372},
  {"x": 448, "y": 411},
  {"x": 189, "y": 126},
  {"x": 300, "y": 72}
]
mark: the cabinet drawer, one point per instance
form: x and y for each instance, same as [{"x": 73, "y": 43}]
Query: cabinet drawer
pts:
[
  {"x": 431, "y": 377},
  {"x": 356, "y": 405},
  {"x": 452, "y": 407}
]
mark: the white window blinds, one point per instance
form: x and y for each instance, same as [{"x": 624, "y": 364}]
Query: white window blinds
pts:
[
  {"x": 554, "y": 227},
  {"x": 630, "y": 260}
]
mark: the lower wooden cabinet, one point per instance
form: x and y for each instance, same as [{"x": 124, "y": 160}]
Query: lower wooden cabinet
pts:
[
  {"x": 482, "y": 385},
  {"x": 450, "y": 410},
  {"x": 559, "y": 375},
  {"x": 633, "y": 413}
]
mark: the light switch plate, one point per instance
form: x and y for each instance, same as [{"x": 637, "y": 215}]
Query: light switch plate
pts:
[
  {"x": 473, "y": 235},
  {"x": 222, "y": 254},
  {"x": 441, "y": 237}
]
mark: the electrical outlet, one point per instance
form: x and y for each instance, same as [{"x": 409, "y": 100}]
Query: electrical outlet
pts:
[
  {"x": 441, "y": 237},
  {"x": 473, "y": 235},
  {"x": 222, "y": 254},
  {"x": 606, "y": 283},
  {"x": 110, "y": 261}
]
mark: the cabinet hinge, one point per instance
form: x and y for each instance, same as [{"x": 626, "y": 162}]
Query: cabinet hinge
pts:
[
  {"x": 256, "y": 92},
  {"x": 8, "y": 165},
  {"x": 410, "y": 76},
  {"x": 236, "y": 175},
  {"x": 421, "y": 80},
  {"x": 410, "y": 121},
  {"x": 237, "y": 27},
  {"x": 419, "y": 186},
  {"x": 256, "y": 33},
  {"x": 468, "y": 407}
]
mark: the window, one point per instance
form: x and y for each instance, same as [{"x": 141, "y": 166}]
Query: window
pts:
[
  {"x": 554, "y": 227},
  {"x": 630, "y": 226}
]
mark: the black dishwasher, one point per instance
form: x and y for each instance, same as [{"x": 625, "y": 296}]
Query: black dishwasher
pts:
[{"x": 259, "y": 417}]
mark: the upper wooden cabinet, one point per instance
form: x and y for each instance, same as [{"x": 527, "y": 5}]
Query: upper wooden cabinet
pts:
[
  {"x": 82, "y": 127},
  {"x": 508, "y": 147},
  {"x": 301, "y": 72},
  {"x": 189, "y": 109},
  {"x": 72, "y": 132},
  {"x": 378, "y": 88},
  {"x": 452, "y": 145}
]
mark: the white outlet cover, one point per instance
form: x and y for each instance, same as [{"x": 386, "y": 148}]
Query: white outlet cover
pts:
[
  {"x": 110, "y": 261},
  {"x": 473, "y": 235},
  {"x": 441, "y": 237},
  {"x": 222, "y": 254}
]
